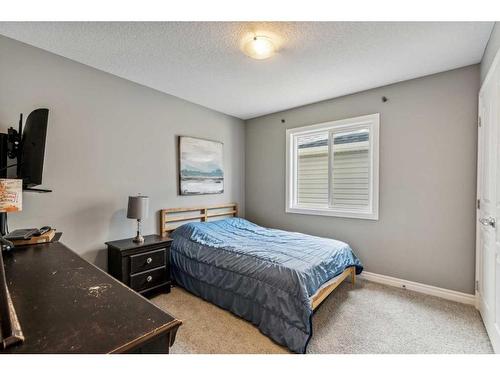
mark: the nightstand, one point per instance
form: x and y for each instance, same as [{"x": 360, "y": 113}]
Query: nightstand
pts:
[{"x": 143, "y": 267}]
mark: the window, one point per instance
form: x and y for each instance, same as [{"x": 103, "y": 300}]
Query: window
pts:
[{"x": 332, "y": 168}]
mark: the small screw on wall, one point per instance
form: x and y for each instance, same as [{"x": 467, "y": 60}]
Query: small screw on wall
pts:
[
  {"x": 384, "y": 99},
  {"x": 282, "y": 120}
]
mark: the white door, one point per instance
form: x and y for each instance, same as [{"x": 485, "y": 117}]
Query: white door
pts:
[{"x": 488, "y": 211}]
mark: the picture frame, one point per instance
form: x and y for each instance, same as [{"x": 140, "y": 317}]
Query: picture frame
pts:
[{"x": 201, "y": 166}]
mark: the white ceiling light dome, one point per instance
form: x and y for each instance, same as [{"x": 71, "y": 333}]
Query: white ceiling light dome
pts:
[{"x": 259, "y": 47}]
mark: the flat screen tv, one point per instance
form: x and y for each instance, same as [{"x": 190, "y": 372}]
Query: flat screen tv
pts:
[{"x": 32, "y": 150}]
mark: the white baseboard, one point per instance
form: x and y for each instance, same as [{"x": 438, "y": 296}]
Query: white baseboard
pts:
[{"x": 448, "y": 294}]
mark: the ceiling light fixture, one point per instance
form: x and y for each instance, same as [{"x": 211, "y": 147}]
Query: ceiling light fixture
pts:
[{"x": 259, "y": 47}]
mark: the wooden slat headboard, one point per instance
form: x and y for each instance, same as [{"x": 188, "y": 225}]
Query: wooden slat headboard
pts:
[{"x": 179, "y": 216}]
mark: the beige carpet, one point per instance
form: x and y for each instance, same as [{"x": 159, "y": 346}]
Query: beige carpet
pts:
[{"x": 367, "y": 318}]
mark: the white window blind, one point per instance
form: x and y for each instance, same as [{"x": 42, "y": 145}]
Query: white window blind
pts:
[
  {"x": 351, "y": 170},
  {"x": 332, "y": 168},
  {"x": 312, "y": 176}
]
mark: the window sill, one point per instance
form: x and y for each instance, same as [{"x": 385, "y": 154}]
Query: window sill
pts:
[{"x": 332, "y": 212}]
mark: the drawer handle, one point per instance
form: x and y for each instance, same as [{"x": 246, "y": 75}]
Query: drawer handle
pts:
[
  {"x": 149, "y": 278},
  {"x": 149, "y": 260}
]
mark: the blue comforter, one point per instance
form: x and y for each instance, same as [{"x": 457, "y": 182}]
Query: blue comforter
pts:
[{"x": 266, "y": 276}]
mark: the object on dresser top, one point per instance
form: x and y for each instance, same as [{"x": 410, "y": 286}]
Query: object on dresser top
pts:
[
  {"x": 144, "y": 267},
  {"x": 41, "y": 231},
  {"x": 79, "y": 307},
  {"x": 138, "y": 209},
  {"x": 49, "y": 236},
  {"x": 21, "y": 234},
  {"x": 26, "y": 234}
]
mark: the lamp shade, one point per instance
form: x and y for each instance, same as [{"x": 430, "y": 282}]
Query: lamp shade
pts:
[
  {"x": 138, "y": 207},
  {"x": 11, "y": 195}
]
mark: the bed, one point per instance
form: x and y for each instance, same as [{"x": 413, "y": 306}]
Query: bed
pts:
[{"x": 272, "y": 278}]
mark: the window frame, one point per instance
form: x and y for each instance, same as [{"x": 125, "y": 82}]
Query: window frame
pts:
[{"x": 372, "y": 122}]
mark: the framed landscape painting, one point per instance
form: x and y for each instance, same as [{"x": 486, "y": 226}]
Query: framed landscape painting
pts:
[{"x": 200, "y": 166}]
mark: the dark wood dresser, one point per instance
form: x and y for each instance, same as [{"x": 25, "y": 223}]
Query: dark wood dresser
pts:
[
  {"x": 67, "y": 305},
  {"x": 143, "y": 267}
]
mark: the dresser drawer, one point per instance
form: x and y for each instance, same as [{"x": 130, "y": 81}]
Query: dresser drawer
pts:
[
  {"x": 148, "y": 279},
  {"x": 147, "y": 261}
]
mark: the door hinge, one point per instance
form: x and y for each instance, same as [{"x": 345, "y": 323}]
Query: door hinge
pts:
[
  {"x": 479, "y": 204},
  {"x": 477, "y": 286},
  {"x": 479, "y": 122}
]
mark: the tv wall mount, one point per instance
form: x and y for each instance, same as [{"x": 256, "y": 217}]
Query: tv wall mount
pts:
[{"x": 14, "y": 145}]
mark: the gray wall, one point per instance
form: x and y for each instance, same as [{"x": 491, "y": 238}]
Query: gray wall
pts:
[
  {"x": 427, "y": 178},
  {"x": 108, "y": 138},
  {"x": 491, "y": 50}
]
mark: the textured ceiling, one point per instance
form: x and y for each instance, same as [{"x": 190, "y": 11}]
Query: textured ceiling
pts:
[{"x": 202, "y": 62}]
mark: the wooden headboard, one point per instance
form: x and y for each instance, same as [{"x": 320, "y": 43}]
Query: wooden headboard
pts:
[{"x": 171, "y": 218}]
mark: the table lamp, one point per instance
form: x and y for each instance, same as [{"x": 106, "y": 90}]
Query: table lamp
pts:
[
  {"x": 11, "y": 200},
  {"x": 138, "y": 209}
]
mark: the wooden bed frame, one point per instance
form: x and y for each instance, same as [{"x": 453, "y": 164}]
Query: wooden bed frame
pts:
[{"x": 171, "y": 218}]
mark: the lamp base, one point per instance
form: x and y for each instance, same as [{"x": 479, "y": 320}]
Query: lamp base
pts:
[{"x": 138, "y": 239}]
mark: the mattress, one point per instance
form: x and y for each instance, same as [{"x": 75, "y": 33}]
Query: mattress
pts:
[{"x": 266, "y": 276}]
